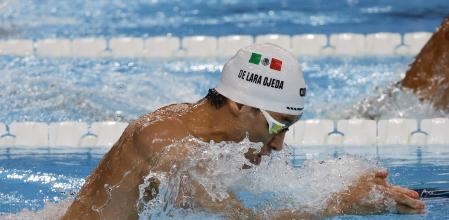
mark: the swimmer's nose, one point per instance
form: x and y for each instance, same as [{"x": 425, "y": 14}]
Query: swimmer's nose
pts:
[{"x": 277, "y": 142}]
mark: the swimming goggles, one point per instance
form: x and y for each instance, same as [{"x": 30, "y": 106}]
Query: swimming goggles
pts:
[{"x": 275, "y": 127}]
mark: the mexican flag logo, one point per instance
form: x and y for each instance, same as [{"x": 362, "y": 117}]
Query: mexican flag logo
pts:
[{"x": 274, "y": 63}]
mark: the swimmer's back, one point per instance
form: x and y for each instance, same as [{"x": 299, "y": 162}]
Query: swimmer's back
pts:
[{"x": 111, "y": 191}]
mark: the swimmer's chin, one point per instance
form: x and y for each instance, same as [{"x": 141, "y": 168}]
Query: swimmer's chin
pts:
[{"x": 255, "y": 158}]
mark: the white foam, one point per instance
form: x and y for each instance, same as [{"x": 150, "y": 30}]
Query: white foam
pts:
[
  {"x": 217, "y": 167},
  {"x": 390, "y": 102}
]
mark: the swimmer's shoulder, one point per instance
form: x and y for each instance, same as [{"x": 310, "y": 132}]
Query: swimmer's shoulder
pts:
[
  {"x": 160, "y": 128},
  {"x": 161, "y": 121}
]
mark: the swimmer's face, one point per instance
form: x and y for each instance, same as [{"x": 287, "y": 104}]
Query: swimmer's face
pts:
[
  {"x": 258, "y": 132},
  {"x": 275, "y": 141}
]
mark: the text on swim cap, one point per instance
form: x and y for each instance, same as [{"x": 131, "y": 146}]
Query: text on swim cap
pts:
[
  {"x": 261, "y": 80},
  {"x": 302, "y": 92}
]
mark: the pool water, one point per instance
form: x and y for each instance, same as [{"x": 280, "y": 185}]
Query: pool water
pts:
[
  {"x": 77, "y": 18},
  {"x": 51, "y": 89},
  {"x": 30, "y": 178},
  {"x": 122, "y": 89}
]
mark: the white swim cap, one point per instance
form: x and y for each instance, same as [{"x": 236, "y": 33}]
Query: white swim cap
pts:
[{"x": 264, "y": 76}]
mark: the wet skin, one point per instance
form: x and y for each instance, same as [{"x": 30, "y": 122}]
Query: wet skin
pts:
[
  {"x": 111, "y": 191},
  {"x": 428, "y": 76}
]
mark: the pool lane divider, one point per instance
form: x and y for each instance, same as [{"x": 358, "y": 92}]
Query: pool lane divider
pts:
[
  {"x": 309, "y": 137},
  {"x": 169, "y": 47}
]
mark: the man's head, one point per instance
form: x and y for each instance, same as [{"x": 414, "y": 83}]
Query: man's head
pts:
[
  {"x": 264, "y": 76},
  {"x": 263, "y": 87}
]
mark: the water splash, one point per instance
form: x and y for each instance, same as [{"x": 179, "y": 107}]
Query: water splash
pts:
[
  {"x": 108, "y": 189},
  {"x": 343, "y": 88},
  {"x": 275, "y": 184},
  {"x": 393, "y": 102}
]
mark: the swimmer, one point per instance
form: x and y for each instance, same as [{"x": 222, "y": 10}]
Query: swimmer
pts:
[
  {"x": 261, "y": 93},
  {"x": 428, "y": 76}
]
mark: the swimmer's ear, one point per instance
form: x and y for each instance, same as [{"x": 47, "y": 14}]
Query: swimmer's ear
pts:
[{"x": 236, "y": 108}]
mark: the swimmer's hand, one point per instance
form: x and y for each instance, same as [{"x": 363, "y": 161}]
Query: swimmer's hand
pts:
[{"x": 371, "y": 194}]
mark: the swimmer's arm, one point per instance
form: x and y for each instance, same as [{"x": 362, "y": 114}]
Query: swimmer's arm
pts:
[
  {"x": 173, "y": 156},
  {"x": 356, "y": 200},
  {"x": 232, "y": 208},
  {"x": 371, "y": 194},
  {"x": 229, "y": 207},
  {"x": 192, "y": 195},
  {"x": 195, "y": 196}
]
